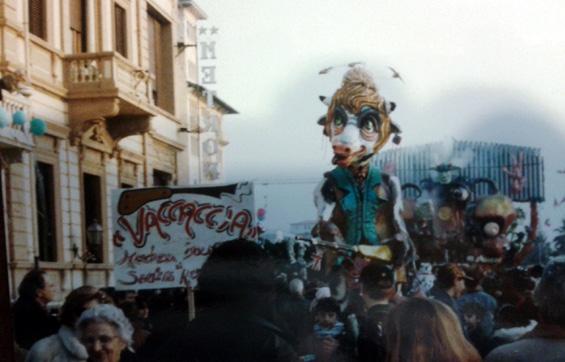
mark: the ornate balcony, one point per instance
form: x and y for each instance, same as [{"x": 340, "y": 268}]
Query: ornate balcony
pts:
[{"x": 104, "y": 90}]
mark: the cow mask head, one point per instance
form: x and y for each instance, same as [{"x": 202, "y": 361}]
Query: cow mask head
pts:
[{"x": 357, "y": 121}]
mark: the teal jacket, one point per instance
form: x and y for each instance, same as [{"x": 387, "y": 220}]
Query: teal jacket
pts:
[{"x": 359, "y": 203}]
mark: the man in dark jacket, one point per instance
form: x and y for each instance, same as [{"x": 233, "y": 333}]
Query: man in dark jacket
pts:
[
  {"x": 546, "y": 343},
  {"x": 237, "y": 323},
  {"x": 32, "y": 322},
  {"x": 377, "y": 288}
]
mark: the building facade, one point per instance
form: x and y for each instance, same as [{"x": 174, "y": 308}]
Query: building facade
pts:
[{"x": 108, "y": 78}]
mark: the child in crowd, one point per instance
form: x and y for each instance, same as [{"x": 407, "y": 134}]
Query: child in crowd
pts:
[{"x": 329, "y": 340}]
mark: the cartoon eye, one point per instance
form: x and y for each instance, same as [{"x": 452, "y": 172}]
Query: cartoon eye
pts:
[
  {"x": 338, "y": 120},
  {"x": 369, "y": 121},
  {"x": 368, "y": 124}
]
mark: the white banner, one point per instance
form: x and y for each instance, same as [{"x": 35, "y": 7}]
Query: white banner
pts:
[{"x": 163, "y": 235}]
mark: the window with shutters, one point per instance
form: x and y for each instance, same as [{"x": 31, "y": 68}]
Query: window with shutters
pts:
[
  {"x": 37, "y": 18},
  {"x": 120, "y": 30},
  {"x": 160, "y": 61},
  {"x": 78, "y": 25},
  {"x": 154, "y": 32},
  {"x": 46, "y": 221}
]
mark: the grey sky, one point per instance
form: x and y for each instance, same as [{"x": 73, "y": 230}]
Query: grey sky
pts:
[{"x": 477, "y": 70}]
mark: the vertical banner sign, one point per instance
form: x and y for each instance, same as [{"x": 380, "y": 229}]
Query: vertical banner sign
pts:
[
  {"x": 207, "y": 35},
  {"x": 207, "y": 58},
  {"x": 163, "y": 235}
]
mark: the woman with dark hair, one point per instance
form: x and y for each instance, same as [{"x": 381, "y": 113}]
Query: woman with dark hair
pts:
[
  {"x": 64, "y": 345},
  {"x": 421, "y": 330},
  {"x": 32, "y": 321}
]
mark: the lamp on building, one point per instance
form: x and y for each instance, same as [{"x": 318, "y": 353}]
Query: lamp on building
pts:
[
  {"x": 94, "y": 235},
  {"x": 187, "y": 130},
  {"x": 182, "y": 46}
]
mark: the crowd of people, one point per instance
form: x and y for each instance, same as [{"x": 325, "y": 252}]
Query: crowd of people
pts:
[{"x": 251, "y": 308}]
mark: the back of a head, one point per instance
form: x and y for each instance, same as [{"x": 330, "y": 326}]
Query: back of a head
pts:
[
  {"x": 550, "y": 292},
  {"x": 426, "y": 330},
  {"x": 236, "y": 271},
  {"x": 32, "y": 282},
  {"x": 475, "y": 279},
  {"x": 296, "y": 287},
  {"x": 327, "y": 305},
  {"x": 75, "y": 302},
  {"x": 447, "y": 274}
]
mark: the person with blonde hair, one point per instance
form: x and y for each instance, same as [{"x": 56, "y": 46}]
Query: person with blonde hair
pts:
[{"x": 421, "y": 330}]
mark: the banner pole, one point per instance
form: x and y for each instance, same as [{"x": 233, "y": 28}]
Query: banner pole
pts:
[{"x": 191, "y": 304}]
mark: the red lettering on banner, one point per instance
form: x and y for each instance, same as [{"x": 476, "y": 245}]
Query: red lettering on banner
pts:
[
  {"x": 138, "y": 236},
  {"x": 135, "y": 258},
  {"x": 162, "y": 219},
  {"x": 152, "y": 220},
  {"x": 210, "y": 218},
  {"x": 193, "y": 250},
  {"x": 198, "y": 213},
  {"x": 118, "y": 239},
  {"x": 187, "y": 213},
  {"x": 188, "y": 275},
  {"x": 241, "y": 221},
  {"x": 153, "y": 277},
  {"x": 218, "y": 218},
  {"x": 175, "y": 210}
]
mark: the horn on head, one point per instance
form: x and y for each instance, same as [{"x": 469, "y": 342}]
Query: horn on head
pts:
[{"x": 325, "y": 100}]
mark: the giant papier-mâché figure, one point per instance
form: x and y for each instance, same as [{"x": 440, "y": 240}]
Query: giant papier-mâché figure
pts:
[
  {"x": 357, "y": 203},
  {"x": 453, "y": 223}
]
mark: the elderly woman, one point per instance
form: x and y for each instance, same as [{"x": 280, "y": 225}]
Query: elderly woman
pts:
[
  {"x": 105, "y": 332},
  {"x": 64, "y": 345}
]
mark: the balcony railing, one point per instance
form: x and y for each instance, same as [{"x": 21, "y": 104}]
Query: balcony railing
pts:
[{"x": 90, "y": 73}]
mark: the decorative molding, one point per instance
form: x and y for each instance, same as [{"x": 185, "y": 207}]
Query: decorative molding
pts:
[
  {"x": 91, "y": 108},
  {"x": 13, "y": 25},
  {"x": 131, "y": 157},
  {"x": 92, "y": 134},
  {"x": 158, "y": 137},
  {"x": 57, "y": 130}
]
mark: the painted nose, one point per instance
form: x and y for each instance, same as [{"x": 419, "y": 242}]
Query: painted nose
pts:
[{"x": 341, "y": 149}]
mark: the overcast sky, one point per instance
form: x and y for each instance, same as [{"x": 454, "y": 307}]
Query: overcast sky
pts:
[{"x": 473, "y": 70}]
